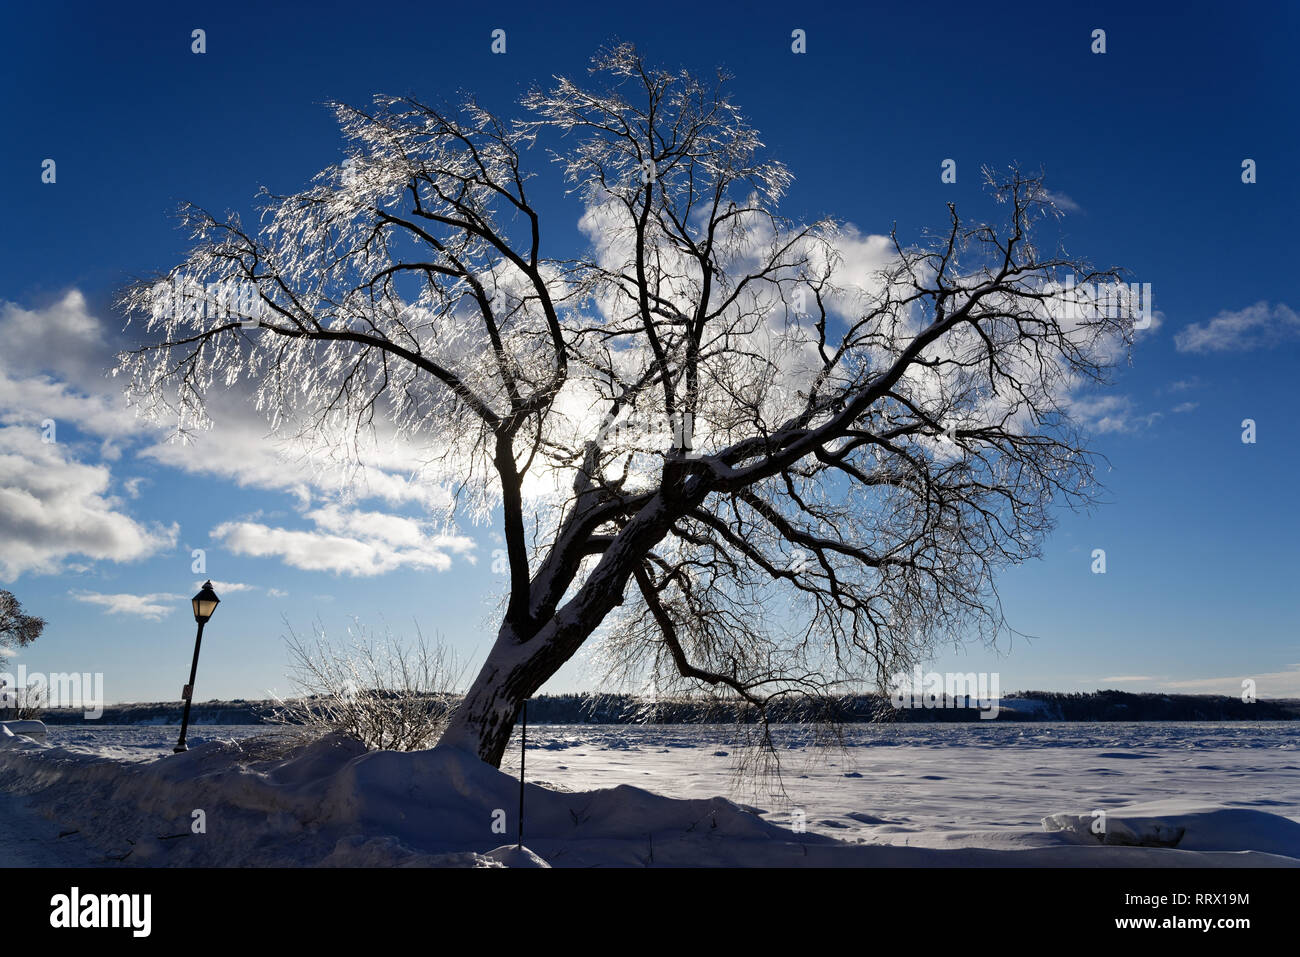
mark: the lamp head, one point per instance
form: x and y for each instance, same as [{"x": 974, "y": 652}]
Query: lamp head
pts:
[{"x": 205, "y": 603}]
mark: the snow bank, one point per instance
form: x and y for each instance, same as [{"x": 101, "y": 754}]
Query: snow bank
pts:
[
  {"x": 268, "y": 801},
  {"x": 1175, "y": 823},
  {"x": 29, "y": 729},
  {"x": 331, "y": 802}
]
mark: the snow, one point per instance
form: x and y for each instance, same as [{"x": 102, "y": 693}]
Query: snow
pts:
[
  {"x": 632, "y": 796},
  {"x": 30, "y": 729},
  {"x": 1041, "y": 710},
  {"x": 514, "y": 855},
  {"x": 1175, "y": 823}
]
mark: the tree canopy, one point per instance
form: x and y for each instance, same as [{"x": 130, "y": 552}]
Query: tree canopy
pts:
[
  {"x": 16, "y": 628},
  {"x": 768, "y": 456}
]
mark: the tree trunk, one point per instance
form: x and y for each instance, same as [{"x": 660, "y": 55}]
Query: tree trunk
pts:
[
  {"x": 514, "y": 670},
  {"x": 483, "y": 722}
]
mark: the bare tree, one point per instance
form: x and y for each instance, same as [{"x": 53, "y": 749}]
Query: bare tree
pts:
[{"x": 717, "y": 438}]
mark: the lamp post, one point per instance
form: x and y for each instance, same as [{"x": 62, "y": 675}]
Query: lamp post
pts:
[{"x": 205, "y": 603}]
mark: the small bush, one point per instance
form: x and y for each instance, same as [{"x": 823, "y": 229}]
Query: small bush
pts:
[
  {"x": 386, "y": 694},
  {"x": 22, "y": 704}
]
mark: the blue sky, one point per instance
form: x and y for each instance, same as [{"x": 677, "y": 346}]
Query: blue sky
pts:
[{"x": 1145, "y": 143}]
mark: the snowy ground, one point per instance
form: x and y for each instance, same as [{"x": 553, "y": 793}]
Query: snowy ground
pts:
[
  {"x": 926, "y": 784},
  {"x": 974, "y": 794}
]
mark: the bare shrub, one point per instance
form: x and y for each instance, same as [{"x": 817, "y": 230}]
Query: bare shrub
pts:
[
  {"x": 385, "y": 693},
  {"x": 23, "y": 704}
]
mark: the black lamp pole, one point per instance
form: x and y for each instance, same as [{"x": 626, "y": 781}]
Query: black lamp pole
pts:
[{"x": 205, "y": 603}]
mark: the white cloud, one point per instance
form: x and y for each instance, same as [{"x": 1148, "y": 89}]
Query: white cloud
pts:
[
  {"x": 54, "y": 366},
  {"x": 1125, "y": 679},
  {"x": 1155, "y": 320},
  {"x": 241, "y": 447},
  {"x": 53, "y": 504},
  {"x": 1272, "y": 684},
  {"x": 227, "y": 587},
  {"x": 1250, "y": 328},
  {"x": 1110, "y": 413},
  {"x": 53, "y": 507},
  {"x": 55, "y": 501},
  {"x": 1184, "y": 407},
  {"x": 151, "y": 607},
  {"x": 348, "y": 541},
  {"x": 392, "y": 529},
  {"x": 1061, "y": 201}
]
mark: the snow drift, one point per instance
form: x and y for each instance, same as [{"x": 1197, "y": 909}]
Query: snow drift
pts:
[{"x": 1177, "y": 823}]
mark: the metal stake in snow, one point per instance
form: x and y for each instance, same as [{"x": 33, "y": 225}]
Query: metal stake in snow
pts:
[{"x": 523, "y": 743}]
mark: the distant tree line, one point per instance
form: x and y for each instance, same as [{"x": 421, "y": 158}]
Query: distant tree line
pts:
[
  {"x": 1107, "y": 705},
  {"x": 1114, "y": 705}
]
